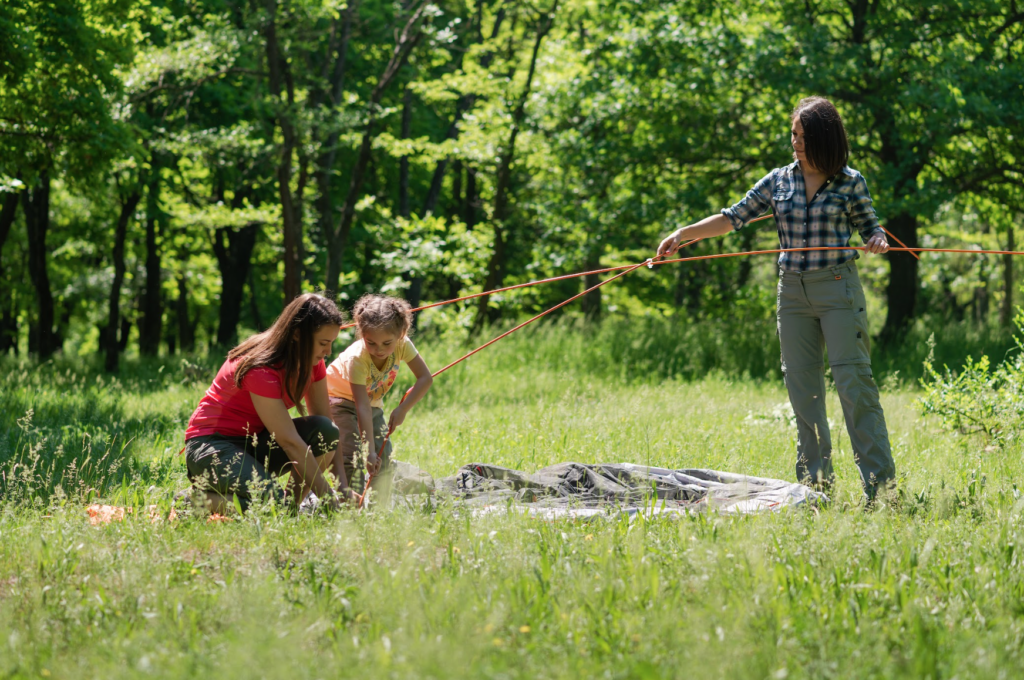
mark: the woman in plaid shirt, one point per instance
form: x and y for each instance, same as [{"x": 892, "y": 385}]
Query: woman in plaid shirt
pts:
[{"x": 817, "y": 201}]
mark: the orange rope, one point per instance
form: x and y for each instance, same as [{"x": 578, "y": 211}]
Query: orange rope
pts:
[
  {"x": 607, "y": 270},
  {"x": 626, "y": 269},
  {"x": 528, "y": 284},
  {"x": 650, "y": 262},
  {"x": 899, "y": 241}
]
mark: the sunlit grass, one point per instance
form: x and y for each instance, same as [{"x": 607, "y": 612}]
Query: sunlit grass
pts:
[{"x": 934, "y": 589}]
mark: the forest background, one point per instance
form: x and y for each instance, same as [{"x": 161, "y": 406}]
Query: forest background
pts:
[{"x": 172, "y": 172}]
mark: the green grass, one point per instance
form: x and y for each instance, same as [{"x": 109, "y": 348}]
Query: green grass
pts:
[{"x": 935, "y": 589}]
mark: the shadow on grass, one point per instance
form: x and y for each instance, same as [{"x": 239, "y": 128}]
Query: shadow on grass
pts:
[{"x": 68, "y": 429}]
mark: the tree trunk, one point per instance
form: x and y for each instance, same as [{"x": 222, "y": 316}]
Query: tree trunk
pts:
[
  {"x": 903, "y": 161},
  {"x": 7, "y": 213},
  {"x": 122, "y": 338},
  {"x": 234, "y": 260},
  {"x": 110, "y": 333},
  {"x": 415, "y": 290},
  {"x": 472, "y": 199},
  {"x": 403, "y": 162},
  {"x": 281, "y": 84},
  {"x": 186, "y": 330},
  {"x": 462, "y": 105},
  {"x": 1006, "y": 311},
  {"x": 254, "y": 307},
  {"x": 8, "y": 320},
  {"x": 329, "y": 150},
  {"x": 36, "y": 205},
  {"x": 455, "y": 205},
  {"x": 902, "y": 288},
  {"x": 497, "y": 264},
  {"x": 170, "y": 334},
  {"x": 150, "y": 328},
  {"x": 414, "y": 294},
  {"x": 337, "y": 237},
  {"x": 8, "y": 329}
]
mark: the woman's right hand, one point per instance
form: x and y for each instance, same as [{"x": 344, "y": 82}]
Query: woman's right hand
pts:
[{"x": 670, "y": 244}]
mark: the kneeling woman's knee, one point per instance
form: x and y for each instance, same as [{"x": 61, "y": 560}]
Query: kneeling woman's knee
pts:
[{"x": 324, "y": 434}]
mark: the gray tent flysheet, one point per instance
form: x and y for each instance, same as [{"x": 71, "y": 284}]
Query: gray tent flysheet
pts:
[{"x": 577, "y": 490}]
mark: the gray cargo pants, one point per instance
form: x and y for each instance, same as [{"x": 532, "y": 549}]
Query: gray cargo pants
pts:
[{"x": 826, "y": 308}]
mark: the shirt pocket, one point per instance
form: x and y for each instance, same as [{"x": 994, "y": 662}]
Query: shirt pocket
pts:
[
  {"x": 782, "y": 199},
  {"x": 834, "y": 205}
]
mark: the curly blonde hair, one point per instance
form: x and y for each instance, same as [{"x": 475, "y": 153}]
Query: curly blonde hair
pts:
[{"x": 383, "y": 312}]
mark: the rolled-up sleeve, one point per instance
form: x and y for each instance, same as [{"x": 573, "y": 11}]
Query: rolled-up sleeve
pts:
[
  {"x": 862, "y": 212},
  {"x": 753, "y": 204}
]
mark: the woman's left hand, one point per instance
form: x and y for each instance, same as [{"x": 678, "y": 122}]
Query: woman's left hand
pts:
[
  {"x": 877, "y": 244},
  {"x": 397, "y": 418}
]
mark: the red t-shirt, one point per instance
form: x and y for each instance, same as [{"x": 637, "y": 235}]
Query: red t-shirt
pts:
[{"x": 228, "y": 410}]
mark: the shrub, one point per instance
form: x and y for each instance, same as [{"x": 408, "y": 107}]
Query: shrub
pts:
[{"x": 978, "y": 399}]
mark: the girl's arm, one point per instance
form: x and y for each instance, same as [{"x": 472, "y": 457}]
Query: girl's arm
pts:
[
  {"x": 278, "y": 421},
  {"x": 423, "y": 382},
  {"x": 364, "y": 415},
  {"x": 714, "y": 225},
  {"x": 317, "y": 401}
]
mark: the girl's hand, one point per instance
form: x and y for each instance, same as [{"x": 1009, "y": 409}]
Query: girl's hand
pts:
[
  {"x": 397, "y": 418},
  {"x": 670, "y": 244},
  {"x": 877, "y": 244},
  {"x": 372, "y": 463}
]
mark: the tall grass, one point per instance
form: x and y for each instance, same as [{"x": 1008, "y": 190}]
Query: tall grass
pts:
[
  {"x": 71, "y": 430},
  {"x": 932, "y": 589},
  {"x": 68, "y": 428}
]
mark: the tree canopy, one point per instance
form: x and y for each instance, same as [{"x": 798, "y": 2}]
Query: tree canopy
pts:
[{"x": 172, "y": 171}]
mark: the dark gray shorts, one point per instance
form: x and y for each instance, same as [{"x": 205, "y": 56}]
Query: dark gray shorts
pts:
[
  {"x": 344, "y": 413},
  {"x": 248, "y": 467}
]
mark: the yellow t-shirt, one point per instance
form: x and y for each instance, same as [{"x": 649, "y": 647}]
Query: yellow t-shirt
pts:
[{"x": 355, "y": 367}]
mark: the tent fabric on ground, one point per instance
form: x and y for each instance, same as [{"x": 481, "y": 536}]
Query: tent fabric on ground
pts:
[{"x": 581, "y": 490}]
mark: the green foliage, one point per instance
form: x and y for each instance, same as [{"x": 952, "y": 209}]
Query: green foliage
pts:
[
  {"x": 58, "y": 82},
  {"x": 641, "y": 116},
  {"x": 978, "y": 398}
]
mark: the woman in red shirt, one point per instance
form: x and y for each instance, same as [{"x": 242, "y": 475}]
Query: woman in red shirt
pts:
[{"x": 241, "y": 437}]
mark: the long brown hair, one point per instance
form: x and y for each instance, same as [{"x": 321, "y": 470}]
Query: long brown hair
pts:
[
  {"x": 825, "y": 142},
  {"x": 288, "y": 343}
]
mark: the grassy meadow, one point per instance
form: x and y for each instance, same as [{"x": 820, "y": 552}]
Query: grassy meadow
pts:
[{"x": 933, "y": 589}]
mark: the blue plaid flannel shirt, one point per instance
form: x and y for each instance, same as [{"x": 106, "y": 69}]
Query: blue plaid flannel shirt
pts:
[{"x": 841, "y": 204}]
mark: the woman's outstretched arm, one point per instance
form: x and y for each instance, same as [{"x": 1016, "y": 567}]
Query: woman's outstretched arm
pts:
[{"x": 713, "y": 225}]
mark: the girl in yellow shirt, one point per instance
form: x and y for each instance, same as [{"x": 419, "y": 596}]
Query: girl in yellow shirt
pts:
[{"x": 358, "y": 380}]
